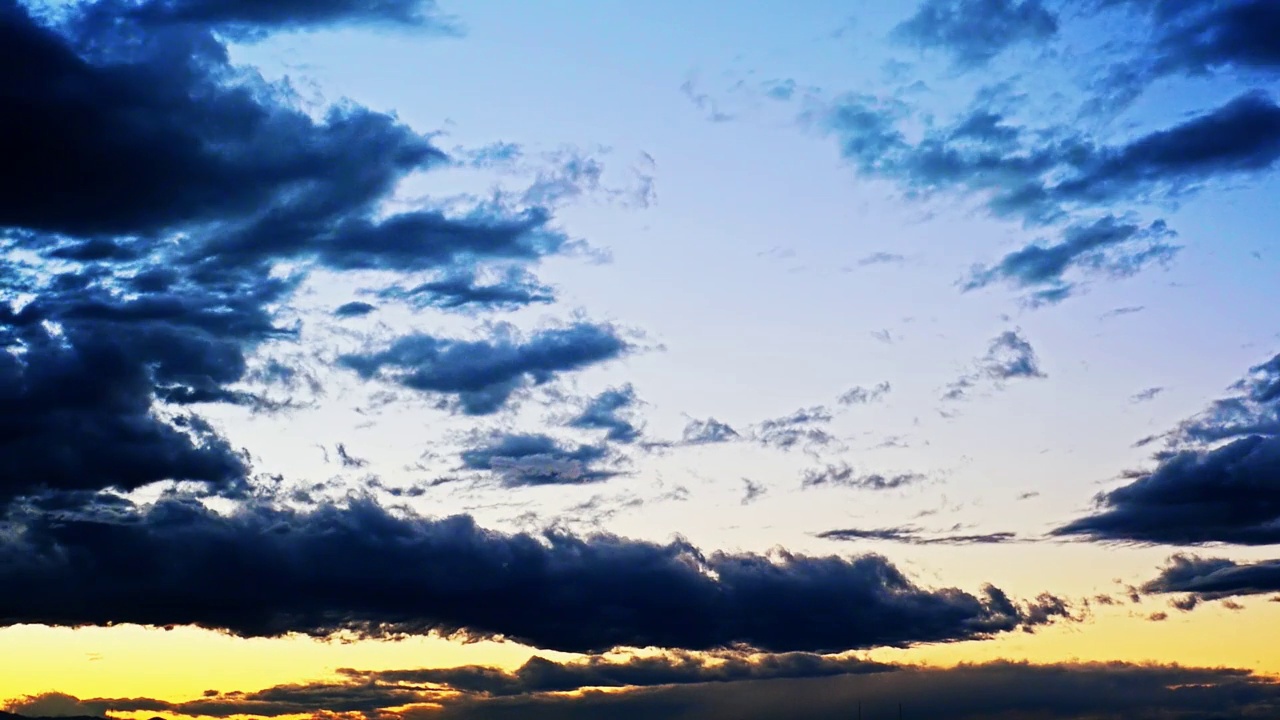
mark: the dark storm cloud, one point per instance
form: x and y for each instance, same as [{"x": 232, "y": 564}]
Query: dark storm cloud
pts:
[
  {"x": 975, "y": 31},
  {"x": 1218, "y": 481},
  {"x": 248, "y": 19},
  {"x": 709, "y": 431},
  {"x": 167, "y": 184},
  {"x": 84, "y": 364},
  {"x": 464, "y": 290},
  {"x": 863, "y": 395},
  {"x": 482, "y": 375},
  {"x": 264, "y": 570},
  {"x": 914, "y": 536},
  {"x": 1106, "y": 246},
  {"x": 609, "y": 411},
  {"x": 525, "y": 460},
  {"x": 174, "y": 136},
  {"x": 1009, "y": 357},
  {"x": 843, "y": 475},
  {"x": 1214, "y": 579},
  {"x": 800, "y": 428}
]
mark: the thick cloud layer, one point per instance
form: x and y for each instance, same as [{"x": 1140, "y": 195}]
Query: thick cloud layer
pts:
[
  {"x": 1219, "y": 481},
  {"x": 1006, "y": 690},
  {"x": 1010, "y": 691},
  {"x": 265, "y": 571}
]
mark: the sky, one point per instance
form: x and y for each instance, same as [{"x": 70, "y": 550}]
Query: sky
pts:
[{"x": 394, "y": 360}]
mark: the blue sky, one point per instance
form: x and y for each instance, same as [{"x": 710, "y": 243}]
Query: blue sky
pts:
[{"x": 975, "y": 291}]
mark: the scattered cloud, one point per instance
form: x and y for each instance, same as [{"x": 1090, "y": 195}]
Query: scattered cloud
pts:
[
  {"x": 1009, "y": 357},
  {"x": 844, "y": 475},
  {"x": 1146, "y": 395},
  {"x": 881, "y": 258},
  {"x": 914, "y": 536},
  {"x": 800, "y": 428},
  {"x": 1091, "y": 248},
  {"x": 863, "y": 395},
  {"x": 706, "y": 432}
]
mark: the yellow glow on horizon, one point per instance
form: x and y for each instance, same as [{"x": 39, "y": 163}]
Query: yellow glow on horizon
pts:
[
  {"x": 181, "y": 664},
  {"x": 1124, "y": 634}
]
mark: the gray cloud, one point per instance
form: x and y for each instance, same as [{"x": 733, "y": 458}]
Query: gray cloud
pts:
[
  {"x": 914, "y": 536},
  {"x": 973, "y": 32},
  {"x": 1009, "y": 357},
  {"x": 844, "y": 475}
]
